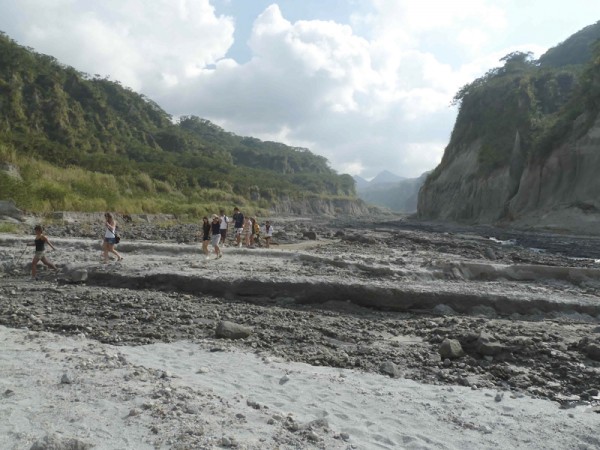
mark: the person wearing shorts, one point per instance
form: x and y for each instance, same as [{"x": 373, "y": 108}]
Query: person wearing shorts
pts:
[
  {"x": 110, "y": 238},
  {"x": 268, "y": 233},
  {"x": 206, "y": 229},
  {"x": 247, "y": 231},
  {"x": 40, "y": 250},
  {"x": 224, "y": 224},
  {"x": 238, "y": 225},
  {"x": 216, "y": 235}
]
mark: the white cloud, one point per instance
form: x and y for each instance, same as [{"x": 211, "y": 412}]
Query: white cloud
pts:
[
  {"x": 144, "y": 45},
  {"x": 368, "y": 102}
]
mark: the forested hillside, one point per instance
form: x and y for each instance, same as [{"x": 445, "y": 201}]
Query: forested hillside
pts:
[
  {"x": 525, "y": 147},
  {"x": 78, "y": 142}
]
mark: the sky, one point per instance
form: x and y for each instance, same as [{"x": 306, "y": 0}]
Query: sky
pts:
[{"x": 365, "y": 83}]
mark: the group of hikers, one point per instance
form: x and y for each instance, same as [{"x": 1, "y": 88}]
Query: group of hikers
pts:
[{"x": 248, "y": 232}]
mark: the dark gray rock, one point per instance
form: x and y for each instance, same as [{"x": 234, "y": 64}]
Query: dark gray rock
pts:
[
  {"x": 490, "y": 254},
  {"x": 451, "y": 349},
  {"x": 389, "y": 368},
  {"x": 66, "y": 379},
  {"x": 230, "y": 330},
  {"x": 592, "y": 350},
  {"x": 310, "y": 235},
  {"x": 487, "y": 345}
]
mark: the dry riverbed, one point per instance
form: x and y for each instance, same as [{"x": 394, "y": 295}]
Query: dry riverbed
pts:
[{"x": 444, "y": 308}]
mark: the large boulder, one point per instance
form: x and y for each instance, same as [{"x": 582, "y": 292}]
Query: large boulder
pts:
[
  {"x": 230, "y": 330},
  {"x": 451, "y": 349},
  {"x": 487, "y": 345},
  {"x": 9, "y": 209}
]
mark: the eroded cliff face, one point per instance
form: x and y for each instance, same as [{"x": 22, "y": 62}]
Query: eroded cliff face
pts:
[
  {"x": 458, "y": 193},
  {"x": 560, "y": 192},
  {"x": 318, "y": 206}
]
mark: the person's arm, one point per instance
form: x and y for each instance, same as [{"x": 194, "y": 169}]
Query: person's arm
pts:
[{"x": 49, "y": 243}]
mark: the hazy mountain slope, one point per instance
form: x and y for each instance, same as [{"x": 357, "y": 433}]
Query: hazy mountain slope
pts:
[{"x": 399, "y": 196}]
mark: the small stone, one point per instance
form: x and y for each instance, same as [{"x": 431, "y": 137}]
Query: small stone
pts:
[
  {"x": 8, "y": 393},
  {"x": 66, "y": 379},
  {"x": 253, "y": 404},
  {"x": 499, "y": 396},
  {"x": 312, "y": 436},
  {"x": 284, "y": 379}
]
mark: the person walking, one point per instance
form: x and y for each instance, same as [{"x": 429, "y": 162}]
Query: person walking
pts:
[
  {"x": 110, "y": 238},
  {"x": 268, "y": 233},
  {"x": 255, "y": 236},
  {"x": 224, "y": 224},
  {"x": 247, "y": 232},
  {"x": 238, "y": 225},
  {"x": 206, "y": 230},
  {"x": 40, "y": 250},
  {"x": 216, "y": 235}
]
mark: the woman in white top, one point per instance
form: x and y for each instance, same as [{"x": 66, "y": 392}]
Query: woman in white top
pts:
[
  {"x": 268, "y": 233},
  {"x": 110, "y": 238}
]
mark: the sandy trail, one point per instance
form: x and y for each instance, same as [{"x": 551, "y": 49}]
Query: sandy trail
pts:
[{"x": 174, "y": 395}]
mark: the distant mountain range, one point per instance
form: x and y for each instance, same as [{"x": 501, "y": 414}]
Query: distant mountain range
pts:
[{"x": 391, "y": 191}]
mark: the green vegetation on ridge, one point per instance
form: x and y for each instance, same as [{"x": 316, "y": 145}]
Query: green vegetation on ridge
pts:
[
  {"x": 88, "y": 143},
  {"x": 535, "y": 103}
]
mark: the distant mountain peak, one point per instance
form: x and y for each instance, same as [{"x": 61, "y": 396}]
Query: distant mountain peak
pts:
[{"x": 386, "y": 176}]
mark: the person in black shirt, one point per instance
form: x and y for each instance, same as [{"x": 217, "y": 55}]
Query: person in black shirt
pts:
[
  {"x": 216, "y": 234},
  {"x": 238, "y": 225},
  {"x": 205, "y": 236},
  {"x": 40, "y": 250}
]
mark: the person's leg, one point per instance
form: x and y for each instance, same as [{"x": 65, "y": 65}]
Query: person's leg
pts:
[
  {"x": 111, "y": 248},
  {"x": 205, "y": 247},
  {"x": 47, "y": 262},
  {"x": 267, "y": 240},
  {"x": 34, "y": 267},
  {"x": 105, "y": 251}
]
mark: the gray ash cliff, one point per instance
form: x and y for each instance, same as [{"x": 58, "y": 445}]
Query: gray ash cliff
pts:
[
  {"x": 561, "y": 192},
  {"x": 314, "y": 206},
  {"x": 525, "y": 150}
]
